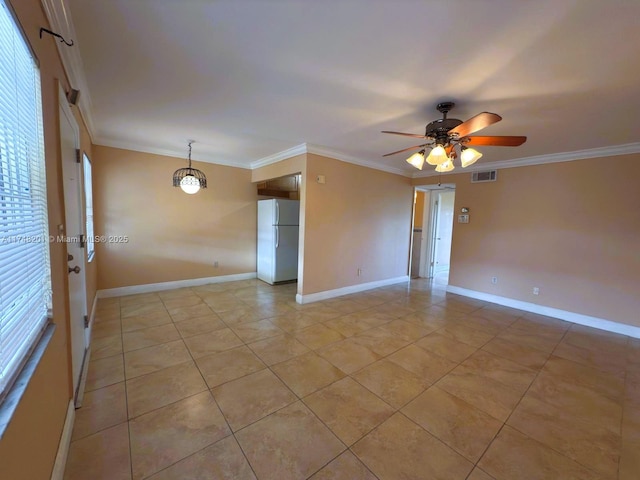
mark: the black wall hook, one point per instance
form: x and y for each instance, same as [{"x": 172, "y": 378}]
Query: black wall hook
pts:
[{"x": 56, "y": 35}]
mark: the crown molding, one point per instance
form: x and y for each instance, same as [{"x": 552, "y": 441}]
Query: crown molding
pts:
[
  {"x": 625, "y": 149},
  {"x": 278, "y": 157},
  {"x": 343, "y": 157},
  {"x": 304, "y": 148},
  {"x": 182, "y": 154},
  {"x": 60, "y": 21}
]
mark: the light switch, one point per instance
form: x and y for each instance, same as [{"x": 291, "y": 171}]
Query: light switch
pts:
[
  {"x": 320, "y": 179},
  {"x": 463, "y": 218}
]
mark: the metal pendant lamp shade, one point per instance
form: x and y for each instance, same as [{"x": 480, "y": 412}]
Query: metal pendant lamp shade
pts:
[{"x": 189, "y": 179}]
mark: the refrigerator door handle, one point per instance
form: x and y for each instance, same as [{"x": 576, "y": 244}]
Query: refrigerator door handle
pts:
[
  {"x": 277, "y": 237},
  {"x": 277, "y": 213}
]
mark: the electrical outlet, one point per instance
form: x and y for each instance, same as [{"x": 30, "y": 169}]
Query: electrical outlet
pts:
[
  {"x": 494, "y": 280},
  {"x": 536, "y": 291},
  {"x": 215, "y": 264},
  {"x": 359, "y": 272}
]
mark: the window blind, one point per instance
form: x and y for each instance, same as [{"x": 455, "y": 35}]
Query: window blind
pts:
[{"x": 25, "y": 285}]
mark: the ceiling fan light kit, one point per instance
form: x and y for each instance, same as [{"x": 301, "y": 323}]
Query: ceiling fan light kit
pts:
[{"x": 447, "y": 134}]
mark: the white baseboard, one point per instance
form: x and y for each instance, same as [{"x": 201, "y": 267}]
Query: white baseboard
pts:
[
  {"x": 573, "y": 317},
  {"x": 338, "y": 292},
  {"x": 158, "y": 287},
  {"x": 63, "y": 446}
]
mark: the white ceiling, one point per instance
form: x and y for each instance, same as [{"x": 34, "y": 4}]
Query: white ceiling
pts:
[{"x": 249, "y": 79}]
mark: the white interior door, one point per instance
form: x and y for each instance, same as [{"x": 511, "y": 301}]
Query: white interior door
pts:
[
  {"x": 74, "y": 230},
  {"x": 443, "y": 232}
]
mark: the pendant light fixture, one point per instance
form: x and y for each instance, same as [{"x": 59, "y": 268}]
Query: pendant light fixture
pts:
[{"x": 190, "y": 180}]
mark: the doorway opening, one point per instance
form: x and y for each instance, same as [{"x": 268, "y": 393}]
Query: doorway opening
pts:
[{"x": 433, "y": 232}]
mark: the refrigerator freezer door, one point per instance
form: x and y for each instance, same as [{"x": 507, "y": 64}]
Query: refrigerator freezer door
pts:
[
  {"x": 286, "y": 253},
  {"x": 287, "y": 212}
]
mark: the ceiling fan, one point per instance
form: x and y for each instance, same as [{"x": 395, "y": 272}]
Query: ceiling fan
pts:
[{"x": 445, "y": 134}]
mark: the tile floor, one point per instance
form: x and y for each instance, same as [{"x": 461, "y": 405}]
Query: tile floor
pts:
[{"x": 237, "y": 381}]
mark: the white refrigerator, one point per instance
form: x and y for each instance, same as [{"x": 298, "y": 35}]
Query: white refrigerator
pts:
[{"x": 278, "y": 240}]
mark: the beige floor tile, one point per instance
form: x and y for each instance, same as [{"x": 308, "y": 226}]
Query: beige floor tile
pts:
[
  {"x": 139, "y": 299},
  {"x": 212, "y": 342},
  {"x": 148, "y": 337},
  {"x": 104, "y": 371},
  {"x": 601, "y": 381},
  {"x": 107, "y": 313},
  {"x": 446, "y": 347},
  {"x": 307, "y": 373},
  {"x": 348, "y": 409},
  {"x": 401, "y": 449},
  {"x": 595, "y": 339},
  {"x": 176, "y": 293},
  {"x": 106, "y": 346},
  {"x": 106, "y": 328},
  {"x": 238, "y": 315},
  {"x": 582, "y": 402},
  {"x": 406, "y": 330},
  {"x": 150, "y": 359},
  {"x": 229, "y": 365},
  {"x": 478, "y": 474},
  {"x": 395, "y": 309},
  {"x": 252, "y": 397},
  {"x": 500, "y": 369},
  {"x": 629, "y": 459},
  {"x": 611, "y": 360},
  {"x": 198, "y": 325},
  {"x": 425, "y": 320},
  {"x": 345, "y": 467},
  {"x": 545, "y": 342},
  {"x": 380, "y": 341},
  {"x": 489, "y": 325},
  {"x": 391, "y": 382},
  {"x": 461, "y": 333},
  {"x": 293, "y": 322},
  {"x": 348, "y": 355},
  {"x": 169, "y": 434},
  {"x": 291, "y": 443},
  {"x": 278, "y": 349},
  {"x": 589, "y": 444},
  {"x": 347, "y": 325},
  {"x": 103, "y": 455},
  {"x": 319, "y": 312},
  {"x": 179, "y": 314},
  {"x": 100, "y": 409},
  {"x": 254, "y": 331},
  {"x": 513, "y": 455},
  {"x": 490, "y": 396},
  {"x": 423, "y": 363},
  {"x": 455, "y": 422},
  {"x": 221, "y": 461},
  {"x": 155, "y": 307},
  {"x": 345, "y": 306},
  {"x": 138, "y": 322},
  {"x": 527, "y": 356},
  {"x": 318, "y": 336},
  {"x": 182, "y": 301},
  {"x": 160, "y": 388}
]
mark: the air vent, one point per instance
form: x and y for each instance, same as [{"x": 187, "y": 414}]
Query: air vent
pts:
[{"x": 486, "y": 176}]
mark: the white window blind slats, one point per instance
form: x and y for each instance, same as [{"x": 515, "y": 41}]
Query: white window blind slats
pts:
[{"x": 25, "y": 290}]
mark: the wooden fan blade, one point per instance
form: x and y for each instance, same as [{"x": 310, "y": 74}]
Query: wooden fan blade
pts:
[
  {"x": 480, "y": 121},
  {"x": 499, "y": 141},
  {"x": 405, "y": 149},
  {"x": 405, "y": 134}
]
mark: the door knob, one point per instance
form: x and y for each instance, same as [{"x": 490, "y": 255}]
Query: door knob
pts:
[
  {"x": 69, "y": 257},
  {"x": 75, "y": 269}
]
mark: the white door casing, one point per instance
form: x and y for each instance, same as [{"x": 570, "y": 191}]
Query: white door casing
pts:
[{"x": 74, "y": 237}]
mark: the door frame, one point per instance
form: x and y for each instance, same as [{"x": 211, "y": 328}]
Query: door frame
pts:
[
  {"x": 80, "y": 305},
  {"x": 429, "y": 225}
]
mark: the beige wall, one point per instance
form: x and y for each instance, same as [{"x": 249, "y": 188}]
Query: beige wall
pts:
[
  {"x": 360, "y": 218},
  {"x": 29, "y": 444},
  {"x": 572, "y": 229},
  {"x": 171, "y": 235}
]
